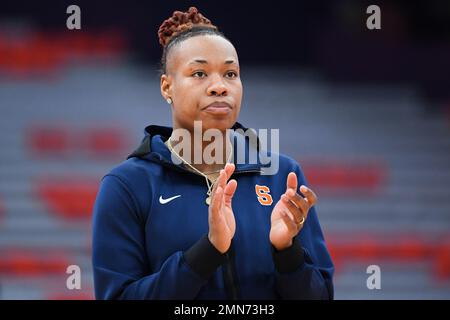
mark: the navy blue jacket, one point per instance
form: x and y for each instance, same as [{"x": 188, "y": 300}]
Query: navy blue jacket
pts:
[{"x": 145, "y": 249}]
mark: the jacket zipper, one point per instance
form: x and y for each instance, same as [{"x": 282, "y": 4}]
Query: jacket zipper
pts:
[{"x": 228, "y": 269}]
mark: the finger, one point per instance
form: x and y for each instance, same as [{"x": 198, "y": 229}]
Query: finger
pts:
[
  {"x": 290, "y": 224},
  {"x": 227, "y": 172},
  {"x": 217, "y": 183},
  {"x": 297, "y": 214},
  {"x": 291, "y": 181},
  {"x": 309, "y": 195},
  {"x": 229, "y": 169},
  {"x": 224, "y": 175},
  {"x": 298, "y": 200},
  {"x": 222, "y": 181},
  {"x": 229, "y": 192},
  {"x": 216, "y": 203}
]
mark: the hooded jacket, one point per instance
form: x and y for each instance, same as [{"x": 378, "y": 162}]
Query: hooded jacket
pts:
[{"x": 149, "y": 246}]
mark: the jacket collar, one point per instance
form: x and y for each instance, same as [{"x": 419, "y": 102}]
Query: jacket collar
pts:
[{"x": 153, "y": 148}]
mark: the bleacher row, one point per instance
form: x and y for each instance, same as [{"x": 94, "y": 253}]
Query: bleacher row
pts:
[{"x": 25, "y": 53}]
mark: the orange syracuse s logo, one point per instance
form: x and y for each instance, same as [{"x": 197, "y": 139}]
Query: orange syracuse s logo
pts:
[{"x": 262, "y": 192}]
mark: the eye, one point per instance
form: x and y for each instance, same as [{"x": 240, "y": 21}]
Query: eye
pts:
[
  {"x": 231, "y": 74},
  {"x": 199, "y": 74}
]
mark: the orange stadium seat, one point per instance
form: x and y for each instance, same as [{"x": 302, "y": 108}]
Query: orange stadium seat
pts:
[
  {"x": 60, "y": 140},
  {"x": 44, "y": 52},
  {"x": 68, "y": 197},
  {"x": 336, "y": 175},
  {"x": 48, "y": 140},
  {"x": 105, "y": 141},
  {"x": 18, "y": 262},
  {"x": 405, "y": 248}
]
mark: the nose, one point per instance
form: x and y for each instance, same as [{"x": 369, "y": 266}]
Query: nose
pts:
[{"x": 217, "y": 87}]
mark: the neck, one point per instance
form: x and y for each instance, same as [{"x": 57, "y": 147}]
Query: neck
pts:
[{"x": 198, "y": 147}]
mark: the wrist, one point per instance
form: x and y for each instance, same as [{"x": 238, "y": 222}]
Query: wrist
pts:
[
  {"x": 221, "y": 247},
  {"x": 283, "y": 246},
  {"x": 289, "y": 259},
  {"x": 203, "y": 258}
]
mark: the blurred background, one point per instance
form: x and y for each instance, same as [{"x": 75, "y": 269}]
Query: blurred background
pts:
[{"x": 365, "y": 112}]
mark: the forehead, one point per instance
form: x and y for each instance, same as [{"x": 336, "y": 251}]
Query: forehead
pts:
[{"x": 212, "y": 48}]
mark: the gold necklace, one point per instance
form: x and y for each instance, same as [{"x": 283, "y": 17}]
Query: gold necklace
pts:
[{"x": 209, "y": 183}]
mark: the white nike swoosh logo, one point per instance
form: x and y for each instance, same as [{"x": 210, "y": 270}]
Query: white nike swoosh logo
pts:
[{"x": 164, "y": 201}]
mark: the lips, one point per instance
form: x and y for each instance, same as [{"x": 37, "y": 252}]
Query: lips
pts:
[{"x": 219, "y": 108}]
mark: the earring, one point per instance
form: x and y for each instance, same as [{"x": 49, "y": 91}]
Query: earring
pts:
[{"x": 169, "y": 100}]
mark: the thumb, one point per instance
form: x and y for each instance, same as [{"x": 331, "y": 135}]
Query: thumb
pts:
[{"x": 291, "y": 181}]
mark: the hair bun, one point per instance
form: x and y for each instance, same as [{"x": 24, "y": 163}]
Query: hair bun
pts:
[{"x": 180, "y": 22}]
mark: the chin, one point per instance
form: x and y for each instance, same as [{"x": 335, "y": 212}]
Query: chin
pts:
[{"x": 221, "y": 124}]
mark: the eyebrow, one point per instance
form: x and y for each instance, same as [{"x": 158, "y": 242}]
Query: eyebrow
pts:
[{"x": 201, "y": 61}]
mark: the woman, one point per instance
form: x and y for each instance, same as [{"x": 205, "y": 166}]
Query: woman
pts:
[{"x": 167, "y": 227}]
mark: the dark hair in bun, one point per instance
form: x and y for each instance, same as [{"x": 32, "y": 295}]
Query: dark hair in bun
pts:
[{"x": 181, "y": 26}]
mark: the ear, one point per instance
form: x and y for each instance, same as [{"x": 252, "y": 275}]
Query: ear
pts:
[{"x": 166, "y": 86}]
